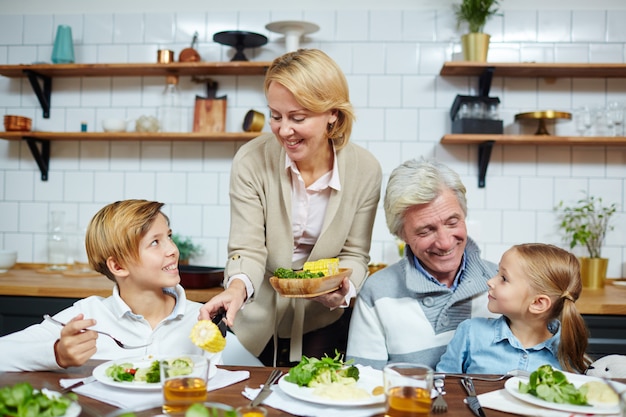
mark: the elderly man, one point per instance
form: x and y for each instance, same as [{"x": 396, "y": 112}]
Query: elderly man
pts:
[{"x": 409, "y": 311}]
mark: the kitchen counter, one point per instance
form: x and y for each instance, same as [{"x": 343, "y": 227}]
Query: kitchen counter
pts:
[{"x": 32, "y": 280}]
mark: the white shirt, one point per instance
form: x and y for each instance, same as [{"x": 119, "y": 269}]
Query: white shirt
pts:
[{"x": 32, "y": 349}]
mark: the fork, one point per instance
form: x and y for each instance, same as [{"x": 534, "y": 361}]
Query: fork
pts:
[
  {"x": 515, "y": 372},
  {"x": 267, "y": 386},
  {"x": 439, "y": 405},
  {"x": 118, "y": 342}
]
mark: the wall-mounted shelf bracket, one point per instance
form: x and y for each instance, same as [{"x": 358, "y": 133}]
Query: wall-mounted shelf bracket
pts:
[
  {"x": 43, "y": 95},
  {"x": 42, "y": 157},
  {"x": 484, "y": 81},
  {"x": 484, "y": 153}
]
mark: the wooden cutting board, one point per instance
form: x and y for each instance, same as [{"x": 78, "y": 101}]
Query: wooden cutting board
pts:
[{"x": 209, "y": 115}]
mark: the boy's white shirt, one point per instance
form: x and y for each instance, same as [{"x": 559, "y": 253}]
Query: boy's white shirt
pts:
[{"x": 32, "y": 349}]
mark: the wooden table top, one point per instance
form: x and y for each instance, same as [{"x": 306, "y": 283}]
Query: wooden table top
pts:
[
  {"x": 28, "y": 280},
  {"x": 230, "y": 395}
]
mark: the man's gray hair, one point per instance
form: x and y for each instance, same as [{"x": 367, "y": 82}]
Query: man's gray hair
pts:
[{"x": 418, "y": 182}]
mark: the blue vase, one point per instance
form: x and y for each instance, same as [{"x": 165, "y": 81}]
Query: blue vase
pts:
[{"x": 63, "y": 50}]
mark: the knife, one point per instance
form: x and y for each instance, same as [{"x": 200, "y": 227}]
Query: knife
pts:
[
  {"x": 78, "y": 384},
  {"x": 472, "y": 400},
  {"x": 267, "y": 388}
]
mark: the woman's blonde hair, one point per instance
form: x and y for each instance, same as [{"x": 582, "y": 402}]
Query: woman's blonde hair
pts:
[
  {"x": 555, "y": 272},
  {"x": 318, "y": 85},
  {"x": 116, "y": 231}
]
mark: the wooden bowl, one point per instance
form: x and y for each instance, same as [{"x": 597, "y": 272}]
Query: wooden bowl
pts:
[
  {"x": 14, "y": 123},
  {"x": 309, "y": 287}
]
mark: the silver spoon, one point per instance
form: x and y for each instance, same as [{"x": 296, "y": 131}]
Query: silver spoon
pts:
[{"x": 119, "y": 343}]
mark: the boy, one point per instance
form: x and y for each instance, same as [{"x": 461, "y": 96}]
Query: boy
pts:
[{"x": 130, "y": 243}]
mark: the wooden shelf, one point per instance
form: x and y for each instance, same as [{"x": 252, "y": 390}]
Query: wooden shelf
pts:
[
  {"x": 137, "y": 69},
  {"x": 39, "y": 142},
  {"x": 475, "y": 139},
  {"x": 485, "y": 144},
  {"x": 533, "y": 69},
  {"x": 131, "y": 136}
]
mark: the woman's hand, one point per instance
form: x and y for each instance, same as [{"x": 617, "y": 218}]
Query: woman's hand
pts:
[
  {"x": 336, "y": 298},
  {"x": 77, "y": 344},
  {"x": 231, "y": 300}
]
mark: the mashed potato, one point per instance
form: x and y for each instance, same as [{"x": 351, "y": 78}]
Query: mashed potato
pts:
[
  {"x": 339, "y": 391},
  {"x": 599, "y": 393}
]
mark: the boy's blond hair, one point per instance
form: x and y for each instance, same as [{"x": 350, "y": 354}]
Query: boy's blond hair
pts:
[{"x": 116, "y": 230}]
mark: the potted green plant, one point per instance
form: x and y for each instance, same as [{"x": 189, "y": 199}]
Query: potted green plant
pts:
[
  {"x": 586, "y": 223},
  {"x": 475, "y": 13},
  {"x": 186, "y": 248}
]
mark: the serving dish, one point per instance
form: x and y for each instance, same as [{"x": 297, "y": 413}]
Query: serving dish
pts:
[
  {"x": 512, "y": 385},
  {"x": 309, "y": 287}
]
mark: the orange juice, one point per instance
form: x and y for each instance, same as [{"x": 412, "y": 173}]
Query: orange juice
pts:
[
  {"x": 408, "y": 402},
  {"x": 180, "y": 393}
]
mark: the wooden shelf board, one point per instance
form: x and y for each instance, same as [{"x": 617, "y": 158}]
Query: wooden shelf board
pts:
[
  {"x": 472, "y": 139},
  {"x": 138, "y": 69},
  {"x": 534, "y": 69},
  {"x": 132, "y": 136}
]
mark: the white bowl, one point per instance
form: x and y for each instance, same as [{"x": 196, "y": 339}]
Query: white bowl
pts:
[
  {"x": 7, "y": 259},
  {"x": 114, "y": 125}
]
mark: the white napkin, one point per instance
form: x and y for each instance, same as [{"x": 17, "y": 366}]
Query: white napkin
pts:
[
  {"x": 142, "y": 400},
  {"x": 501, "y": 400}
]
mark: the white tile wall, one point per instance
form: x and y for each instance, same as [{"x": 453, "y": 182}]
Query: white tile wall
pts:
[{"x": 391, "y": 59}]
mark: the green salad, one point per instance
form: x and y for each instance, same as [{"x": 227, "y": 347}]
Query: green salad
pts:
[
  {"x": 22, "y": 400},
  {"x": 552, "y": 385},
  {"x": 290, "y": 273},
  {"x": 311, "y": 372},
  {"x": 127, "y": 372}
]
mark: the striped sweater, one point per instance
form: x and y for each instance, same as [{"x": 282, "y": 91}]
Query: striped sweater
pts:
[{"x": 400, "y": 315}]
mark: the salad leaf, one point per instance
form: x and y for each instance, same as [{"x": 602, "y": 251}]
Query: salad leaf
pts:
[
  {"x": 552, "y": 385},
  {"x": 311, "y": 372},
  {"x": 23, "y": 401},
  {"x": 290, "y": 273}
]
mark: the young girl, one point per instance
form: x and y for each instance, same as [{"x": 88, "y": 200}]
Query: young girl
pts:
[{"x": 535, "y": 290}]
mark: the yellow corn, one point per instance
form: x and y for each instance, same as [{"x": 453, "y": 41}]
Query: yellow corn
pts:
[
  {"x": 329, "y": 266},
  {"x": 206, "y": 335}
]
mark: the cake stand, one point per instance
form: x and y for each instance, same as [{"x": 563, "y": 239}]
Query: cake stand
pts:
[
  {"x": 542, "y": 116},
  {"x": 293, "y": 31},
  {"x": 240, "y": 40}
]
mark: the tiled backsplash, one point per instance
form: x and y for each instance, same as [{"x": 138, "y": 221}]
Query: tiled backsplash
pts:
[{"x": 392, "y": 60}]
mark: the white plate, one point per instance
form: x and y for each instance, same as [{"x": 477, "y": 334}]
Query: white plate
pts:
[
  {"x": 620, "y": 283},
  {"x": 513, "y": 383},
  {"x": 368, "y": 381},
  {"x": 138, "y": 362},
  {"x": 74, "y": 408}
]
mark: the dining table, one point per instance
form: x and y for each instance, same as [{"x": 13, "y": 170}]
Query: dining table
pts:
[{"x": 232, "y": 394}]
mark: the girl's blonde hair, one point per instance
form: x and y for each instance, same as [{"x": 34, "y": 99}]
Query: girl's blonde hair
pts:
[
  {"x": 555, "y": 272},
  {"x": 116, "y": 231},
  {"x": 318, "y": 85}
]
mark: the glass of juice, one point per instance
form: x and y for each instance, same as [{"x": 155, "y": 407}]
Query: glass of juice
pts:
[
  {"x": 408, "y": 388},
  {"x": 183, "y": 383}
]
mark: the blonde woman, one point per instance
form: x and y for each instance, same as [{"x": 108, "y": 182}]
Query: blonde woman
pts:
[{"x": 302, "y": 193}]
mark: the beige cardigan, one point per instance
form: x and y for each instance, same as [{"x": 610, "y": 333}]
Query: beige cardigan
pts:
[{"x": 261, "y": 237}]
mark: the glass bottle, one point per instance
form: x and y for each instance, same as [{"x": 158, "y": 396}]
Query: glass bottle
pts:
[
  {"x": 57, "y": 242},
  {"x": 170, "y": 112}
]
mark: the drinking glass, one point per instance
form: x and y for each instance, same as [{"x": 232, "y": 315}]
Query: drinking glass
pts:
[
  {"x": 408, "y": 388},
  {"x": 584, "y": 120},
  {"x": 615, "y": 111},
  {"x": 180, "y": 391}
]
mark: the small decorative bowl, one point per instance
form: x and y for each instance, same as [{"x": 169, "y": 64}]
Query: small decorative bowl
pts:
[
  {"x": 309, "y": 287},
  {"x": 13, "y": 123},
  {"x": 7, "y": 259}
]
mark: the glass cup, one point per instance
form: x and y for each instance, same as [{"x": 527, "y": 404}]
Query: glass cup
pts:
[
  {"x": 252, "y": 411},
  {"x": 408, "y": 388},
  {"x": 184, "y": 386}
]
